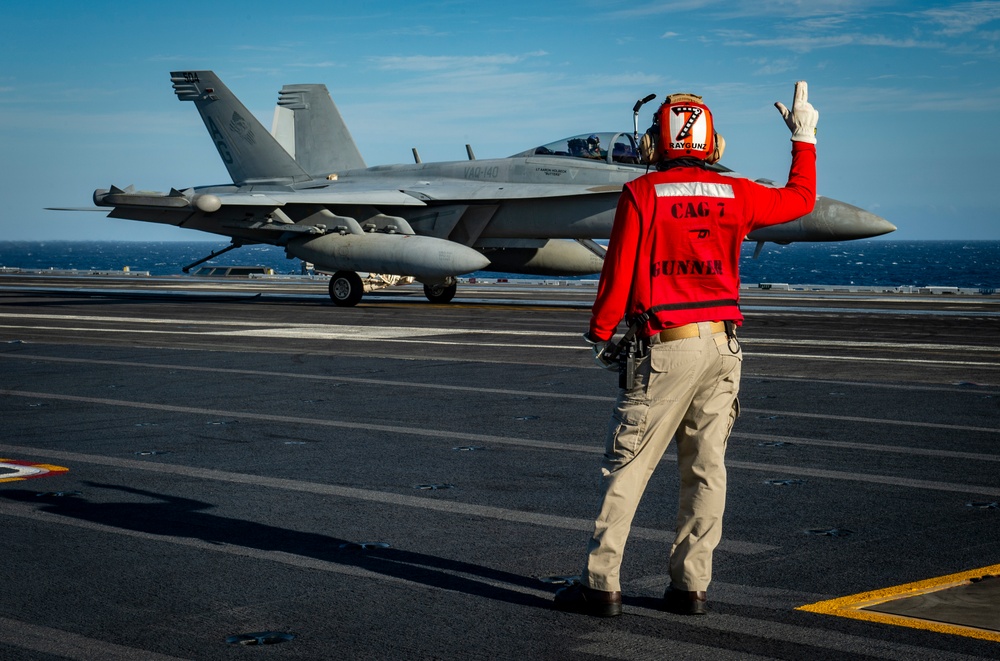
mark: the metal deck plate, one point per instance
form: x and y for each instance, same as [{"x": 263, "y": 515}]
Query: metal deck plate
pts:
[
  {"x": 965, "y": 604},
  {"x": 973, "y": 604}
]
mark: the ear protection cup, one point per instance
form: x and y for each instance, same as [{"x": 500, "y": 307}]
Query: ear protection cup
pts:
[
  {"x": 720, "y": 148},
  {"x": 649, "y": 146}
]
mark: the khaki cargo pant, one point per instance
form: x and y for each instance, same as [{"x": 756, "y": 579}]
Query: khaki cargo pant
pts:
[{"x": 686, "y": 388}]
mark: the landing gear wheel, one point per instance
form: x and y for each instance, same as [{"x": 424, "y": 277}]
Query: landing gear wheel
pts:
[
  {"x": 346, "y": 288},
  {"x": 440, "y": 293}
]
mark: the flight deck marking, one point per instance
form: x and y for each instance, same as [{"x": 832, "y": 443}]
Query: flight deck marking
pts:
[
  {"x": 855, "y": 344},
  {"x": 383, "y": 497},
  {"x": 67, "y": 645},
  {"x": 13, "y": 632},
  {"x": 290, "y": 559},
  {"x": 434, "y": 386},
  {"x": 477, "y": 389},
  {"x": 854, "y": 606},
  {"x": 361, "y": 333},
  {"x": 411, "y": 336},
  {"x": 871, "y": 359},
  {"x": 401, "y": 335},
  {"x": 13, "y": 470},
  {"x": 869, "y": 447},
  {"x": 503, "y": 440}
]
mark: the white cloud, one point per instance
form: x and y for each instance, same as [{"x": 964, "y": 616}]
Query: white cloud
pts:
[
  {"x": 829, "y": 10},
  {"x": 449, "y": 62},
  {"x": 799, "y": 8},
  {"x": 962, "y": 18},
  {"x": 418, "y": 31},
  {"x": 806, "y": 43},
  {"x": 657, "y": 8},
  {"x": 767, "y": 67},
  {"x": 733, "y": 35},
  {"x": 317, "y": 65},
  {"x": 884, "y": 98}
]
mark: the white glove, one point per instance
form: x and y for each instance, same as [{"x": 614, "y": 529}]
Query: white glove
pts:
[
  {"x": 802, "y": 119},
  {"x": 599, "y": 348}
]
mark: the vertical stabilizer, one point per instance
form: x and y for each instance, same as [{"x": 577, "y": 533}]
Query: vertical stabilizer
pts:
[
  {"x": 309, "y": 126},
  {"x": 250, "y": 153}
]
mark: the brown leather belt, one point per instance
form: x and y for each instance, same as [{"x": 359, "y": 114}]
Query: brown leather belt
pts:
[{"x": 688, "y": 330}]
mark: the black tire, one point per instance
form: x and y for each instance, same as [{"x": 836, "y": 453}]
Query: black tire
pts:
[
  {"x": 440, "y": 293},
  {"x": 346, "y": 289}
]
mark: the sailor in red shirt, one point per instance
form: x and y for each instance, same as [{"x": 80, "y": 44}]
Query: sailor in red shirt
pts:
[{"x": 672, "y": 272}]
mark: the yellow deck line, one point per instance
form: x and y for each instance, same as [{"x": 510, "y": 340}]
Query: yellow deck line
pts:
[{"x": 852, "y": 605}]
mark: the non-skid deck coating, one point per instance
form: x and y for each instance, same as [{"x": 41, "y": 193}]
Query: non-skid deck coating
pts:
[{"x": 407, "y": 480}]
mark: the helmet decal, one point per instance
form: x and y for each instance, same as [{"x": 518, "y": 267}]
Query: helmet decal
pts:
[
  {"x": 687, "y": 130},
  {"x": 693, "y": 113},
  {"x": 683, "y": 127}
]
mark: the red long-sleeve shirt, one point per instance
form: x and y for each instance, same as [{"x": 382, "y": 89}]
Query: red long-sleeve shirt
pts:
[{"x": 676, "y": 241}]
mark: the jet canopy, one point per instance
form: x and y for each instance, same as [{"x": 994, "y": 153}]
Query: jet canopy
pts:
[
  {"x": 595, "y": 147},
  {"x": 602, "y": 146}
]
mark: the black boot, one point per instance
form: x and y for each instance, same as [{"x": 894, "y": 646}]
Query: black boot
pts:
[{"x": 578, "y": 598}]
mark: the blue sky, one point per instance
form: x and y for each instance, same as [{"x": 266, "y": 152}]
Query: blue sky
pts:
[{"x": 908, "y": 92}]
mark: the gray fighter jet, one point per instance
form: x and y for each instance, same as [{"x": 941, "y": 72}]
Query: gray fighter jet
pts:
[{"x": 306, "y": 188}]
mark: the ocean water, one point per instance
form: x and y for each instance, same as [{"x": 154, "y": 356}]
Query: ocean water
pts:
[{"x": 966, "y": 264}]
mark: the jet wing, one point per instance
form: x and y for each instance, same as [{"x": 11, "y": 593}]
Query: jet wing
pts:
[
  {"x": 454, "y": 190},
  {"x": 209, "y": 201}
]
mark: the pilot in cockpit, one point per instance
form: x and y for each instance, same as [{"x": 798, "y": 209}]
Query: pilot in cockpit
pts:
[{"x": 593, "y": 149}]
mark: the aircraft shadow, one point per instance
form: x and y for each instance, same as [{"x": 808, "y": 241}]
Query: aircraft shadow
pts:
[{"x": 185, "y": 517}]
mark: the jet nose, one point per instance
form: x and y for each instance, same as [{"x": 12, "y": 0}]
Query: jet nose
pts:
[
  {"x": 880, "y": 225},
  {"x": 865, "y": 223},
  {"x": 840, "y": 221}
]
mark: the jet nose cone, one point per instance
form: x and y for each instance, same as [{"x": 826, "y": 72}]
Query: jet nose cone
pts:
[
  {"x": 864, "y": 223},
  {"x": 880, "y": 225},
  {"x": 842, "y": 221},
  {"x": 468, "y": 260}
]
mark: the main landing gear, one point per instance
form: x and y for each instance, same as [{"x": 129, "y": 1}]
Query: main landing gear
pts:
[
  {"x": 441, "y": 292},
  {"x": 347, "y": 288}
]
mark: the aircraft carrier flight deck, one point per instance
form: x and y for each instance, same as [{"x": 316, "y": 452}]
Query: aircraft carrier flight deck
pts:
[{"x": 192, "y": 467}]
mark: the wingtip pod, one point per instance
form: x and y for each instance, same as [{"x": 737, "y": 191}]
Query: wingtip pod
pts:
[
  {"x": 207, "y": 203},
  {"x": 175, "y": 199}
]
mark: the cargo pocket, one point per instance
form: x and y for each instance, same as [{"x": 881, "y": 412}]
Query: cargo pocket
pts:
[
  {"x": 733, "y": 415},
  {"x": 625, "y": 432},
  {"x": 731, "y": 366}
]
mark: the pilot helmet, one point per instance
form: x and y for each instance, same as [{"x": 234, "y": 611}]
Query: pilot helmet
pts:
[
  {"x": 683, "y": 127},
  {"x": 593, "y": 140}
]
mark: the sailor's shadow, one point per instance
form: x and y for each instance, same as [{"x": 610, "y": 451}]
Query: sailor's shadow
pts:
[{"x": 175, "y": 516}]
